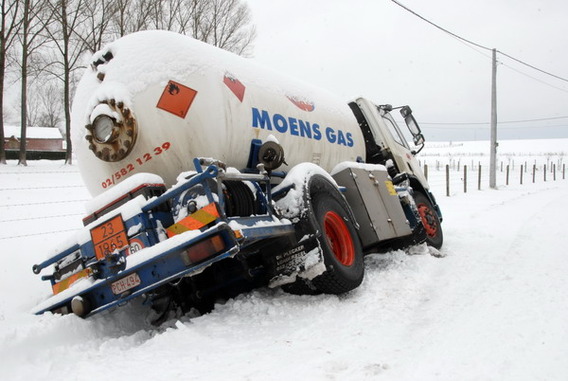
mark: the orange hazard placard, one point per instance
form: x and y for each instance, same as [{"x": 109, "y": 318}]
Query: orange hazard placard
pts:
[
  {"x": 176, "y": 99},
  {"x": 109, "y": 236}
]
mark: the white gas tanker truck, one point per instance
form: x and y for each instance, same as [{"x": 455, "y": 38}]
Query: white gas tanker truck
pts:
[{"x": 214, "y": 176}]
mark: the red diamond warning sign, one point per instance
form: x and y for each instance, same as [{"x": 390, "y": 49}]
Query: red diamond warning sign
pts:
[
  {"x": 176, "y": 99},
  {"x": 235, "y": 86}
]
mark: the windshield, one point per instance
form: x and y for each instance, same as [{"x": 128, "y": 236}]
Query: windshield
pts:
[{"x": 395, "y": 131}]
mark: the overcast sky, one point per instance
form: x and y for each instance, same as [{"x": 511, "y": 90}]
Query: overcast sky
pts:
[{"x": 375, "y": 49}]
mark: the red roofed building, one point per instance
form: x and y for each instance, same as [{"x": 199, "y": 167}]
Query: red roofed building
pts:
[{"x": 41, "y": 143}]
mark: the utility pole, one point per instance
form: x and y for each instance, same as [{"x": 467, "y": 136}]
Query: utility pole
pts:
[{"x": 493, "y": 148}]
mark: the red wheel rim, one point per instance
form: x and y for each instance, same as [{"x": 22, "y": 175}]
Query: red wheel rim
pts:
[
  {"x": 428, "y": 220},
  {"x": 339, "y": 238}
]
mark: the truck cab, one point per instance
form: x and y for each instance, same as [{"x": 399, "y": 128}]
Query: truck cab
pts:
[
  {"x": 386, "y": 144},
  {"x": 384, "y": 139}
]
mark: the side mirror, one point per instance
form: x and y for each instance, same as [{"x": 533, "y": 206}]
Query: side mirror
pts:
[
  {"x": 412, "y": 125},
  {"x": 419, "y": 140}
]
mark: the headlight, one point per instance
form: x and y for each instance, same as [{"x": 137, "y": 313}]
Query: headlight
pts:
[{"x": 112, "y": 132}]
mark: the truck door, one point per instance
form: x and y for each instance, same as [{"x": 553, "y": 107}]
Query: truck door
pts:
[{"x": 385, "y": 140}]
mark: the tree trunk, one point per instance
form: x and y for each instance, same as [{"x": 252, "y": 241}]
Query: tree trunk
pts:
[
  {"x": 24, "y": 106},
  {"x": 24, "y": 97},
  {"x": 67, "y": 106},
  {"x": 2, "y": 72},
  {"x": 3, "y": 47},
  {"x": 66, "y": 82}
]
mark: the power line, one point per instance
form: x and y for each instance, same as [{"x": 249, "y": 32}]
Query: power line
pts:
[
  {"x": 36, "y": 234},
  {"x": 34, "y": 172},
  {"x": 41, "y": 203},
  {"x": 535, "y": 79},
  {"x": 476, "y": 44},
  {"x": 439, "y": 27},
  {"x": 43, "y": 217},
  {"x": 485, "y": 127},
  {"x": 36, "y": 188},
  {"x": 532, "y": 127},
  {"x": 504, "y": 122},
  {"x": 532, "y": 67}
]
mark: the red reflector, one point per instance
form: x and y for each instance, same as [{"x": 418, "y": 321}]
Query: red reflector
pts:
[{"x": 203, "y": 250}]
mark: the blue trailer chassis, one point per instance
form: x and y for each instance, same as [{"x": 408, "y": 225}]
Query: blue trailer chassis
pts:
[{"x": 121, "y": 275}]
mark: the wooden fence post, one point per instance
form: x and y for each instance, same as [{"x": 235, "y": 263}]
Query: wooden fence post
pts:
[
  {"x": 465, "y": 179},
  {"x": 426, "y": 171},
  {"x": 534, "y": 172},
  {"x": 544, "y": 173},
  {"x": 507, "y": 181},
  {"x": 448, "y": 180},
  {"x": 522, "y": 174},
  {"x": 479, "y": 177}
]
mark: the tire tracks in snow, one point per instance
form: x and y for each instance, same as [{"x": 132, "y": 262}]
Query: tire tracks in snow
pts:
[{"x": 496, "y": 303}]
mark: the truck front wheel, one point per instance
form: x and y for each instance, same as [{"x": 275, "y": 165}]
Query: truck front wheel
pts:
[
  {"x": 339, "y": 243},
  {"x": 430, "y": 220}
]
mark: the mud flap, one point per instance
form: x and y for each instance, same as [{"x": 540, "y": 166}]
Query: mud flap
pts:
[{"x": 304, "y": 260}]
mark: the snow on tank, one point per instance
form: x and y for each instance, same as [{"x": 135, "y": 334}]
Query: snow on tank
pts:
[{"x": 153, "y": 100}]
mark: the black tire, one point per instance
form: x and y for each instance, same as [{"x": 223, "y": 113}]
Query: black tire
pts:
[
  {"x": 430, "y": 220},
  {"x": 342, "y": 253}
]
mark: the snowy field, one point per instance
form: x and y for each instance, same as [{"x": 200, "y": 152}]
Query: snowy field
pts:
[
  {"x": 522, "y": 158},
  {"x": 494, "y": 308}
]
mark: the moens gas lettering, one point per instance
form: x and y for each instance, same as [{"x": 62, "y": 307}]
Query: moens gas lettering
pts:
[{"x": 297, "y": 127}]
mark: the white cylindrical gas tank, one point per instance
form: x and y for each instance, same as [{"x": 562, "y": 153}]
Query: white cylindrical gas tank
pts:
[{"x": 154, "y": 100}]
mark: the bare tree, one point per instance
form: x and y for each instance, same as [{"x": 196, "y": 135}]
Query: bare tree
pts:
[
  {"x": 226, "y": 24},
  {"x": 51, "y": 104},
  {"x": 163, "y": 15},
  {"x": 131, "y": 16},
  {"x": 35, "y": 18},
  {"x": 98, "y": 21},
  {"x": 69, "y": 16},
  {"x": 11, "y": 21},
  {"x": 44, "y": 103},
  {"x": 223, "y": 23},
  {"x": 77, "y": 26},
  {"x": 199, "y": 11},
  {"x": 33, "y": 107}
]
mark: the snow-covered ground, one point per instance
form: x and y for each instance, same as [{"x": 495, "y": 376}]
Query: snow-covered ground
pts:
[{"x": 494, "y": 308}]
